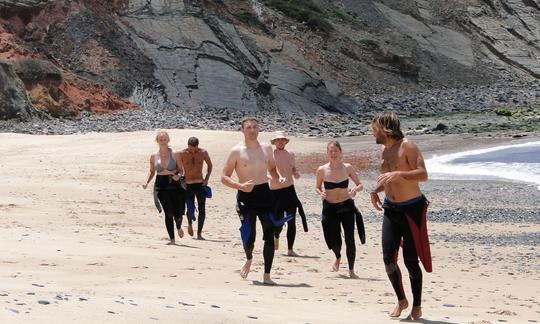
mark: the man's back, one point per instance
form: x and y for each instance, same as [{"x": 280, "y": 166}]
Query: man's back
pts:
[{"x": 193, "y": 164}]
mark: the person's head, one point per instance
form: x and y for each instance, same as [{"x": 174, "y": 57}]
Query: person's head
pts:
[
  {"x": 279, "y": 140},
  {"x": 162, "y": 138},
  {"x": 250, "y": 128},
  {"x": 386, "y": 126},
  {"x": 193, "y": 144},
  {"x": 333, "y": 150}
]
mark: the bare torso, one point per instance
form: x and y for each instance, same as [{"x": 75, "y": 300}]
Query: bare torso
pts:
[
  {"x": 285, "y": 167},
  {"x": 193, "y": 165},
  {"x": 394, "y": 159},
  {"x": 335, "y": 175},
  {"x": 252, "y": 163}
]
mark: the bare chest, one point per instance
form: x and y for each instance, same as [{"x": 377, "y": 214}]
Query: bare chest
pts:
[{"x": 393, "y": 160}]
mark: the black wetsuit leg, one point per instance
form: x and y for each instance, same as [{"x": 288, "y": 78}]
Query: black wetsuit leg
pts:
[
  {"x": 268, "y": 237},
  {"x": 410, "y": 258},
  {"x": 347, "y": 222},
  {"x": 201, "y": 205},
  {"x": 172, "y": 200},
  {"x": 331, "y": 228},
  {"x": 248, "y": 249},
  {"x": 166, "y": 198},
  {"x": 291, "y": 228},
  {"x": 391, "y": 238}
]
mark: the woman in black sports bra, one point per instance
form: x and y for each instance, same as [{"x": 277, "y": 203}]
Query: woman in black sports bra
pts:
[
  {"x": 338, "y": 206},
  {"x": 167, "y": 188}
]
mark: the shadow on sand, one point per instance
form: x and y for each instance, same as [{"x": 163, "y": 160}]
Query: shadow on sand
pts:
[
  {"x": 301, "y": 256},
  {"x": 426, "y": 321},
  {"x": 300, "y": 285}
]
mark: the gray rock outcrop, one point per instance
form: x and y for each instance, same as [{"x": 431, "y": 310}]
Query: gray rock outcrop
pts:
[{"x": 14, "y": 103}]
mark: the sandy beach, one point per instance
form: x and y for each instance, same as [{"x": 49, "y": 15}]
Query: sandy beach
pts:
[{"x": 80, "y": 240}]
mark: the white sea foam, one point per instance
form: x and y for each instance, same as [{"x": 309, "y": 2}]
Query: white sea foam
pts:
[{"x": 448, "y": 166}]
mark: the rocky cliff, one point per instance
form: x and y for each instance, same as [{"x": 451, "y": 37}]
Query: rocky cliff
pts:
[{"x": 60, "y": 57}]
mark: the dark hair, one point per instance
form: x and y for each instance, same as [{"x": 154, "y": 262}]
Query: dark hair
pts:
[
  {"x": 193, "y": 141},
  {"x": 388, "y": 122},
  {"x": 334, "y": 143},
  {"x": 247, "y": 119}
]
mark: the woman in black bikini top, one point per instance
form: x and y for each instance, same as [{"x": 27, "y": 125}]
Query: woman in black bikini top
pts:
[{"x": 338, "y": 206}]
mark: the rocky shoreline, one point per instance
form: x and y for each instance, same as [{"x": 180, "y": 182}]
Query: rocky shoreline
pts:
[{"x": 512, "y": 110}]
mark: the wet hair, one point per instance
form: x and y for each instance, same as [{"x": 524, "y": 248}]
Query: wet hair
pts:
[
  {"x": 333, "y": 143},
  {"x": 249, "y": 119},
  {"x": 388, "y": 122},
  {"x": 193, "y": 141},
  {"x": 162, "y": 133}
]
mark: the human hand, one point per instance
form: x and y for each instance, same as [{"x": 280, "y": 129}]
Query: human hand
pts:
[
  {"x": 389, "y": 177},
  {"x": 323, "y": 195},
  {"x": 205, "y": 182},
  {"x": 247, "y": 186},
  {"x": 376, "y": 201},
  {"x": 296, "y": 175},
  {"x": 145, "y": 185}
]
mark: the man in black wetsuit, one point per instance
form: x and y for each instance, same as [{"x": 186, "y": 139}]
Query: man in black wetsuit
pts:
[
  {"x": 251, "y": 161},
  {"x": 402, "y": 168}
]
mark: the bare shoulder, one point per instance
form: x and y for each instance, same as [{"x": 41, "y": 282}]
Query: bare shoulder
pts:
[
  {"x": 321, "y": 168},
  {"x": 349, "y": 167},
  {"x": 235, "y": 150},
  {"x": 182, "y": 152},
  {"x": 409, "y": 144}
]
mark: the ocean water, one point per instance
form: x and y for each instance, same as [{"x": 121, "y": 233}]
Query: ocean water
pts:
[{"x": 518, "y": 162}]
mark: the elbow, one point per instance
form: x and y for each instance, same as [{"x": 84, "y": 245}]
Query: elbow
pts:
[{"x": 424, "y": 176}]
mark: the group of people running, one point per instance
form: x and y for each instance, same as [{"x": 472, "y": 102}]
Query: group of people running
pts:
[{"x": 265, "y": 190}]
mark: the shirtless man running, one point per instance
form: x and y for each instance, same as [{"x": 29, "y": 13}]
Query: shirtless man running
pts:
[
  {"x": 252, "y": 161},
  {"x": 284, "y": 193},
  {"x": 402, "y": 168},
  {"x": 193, "y": 158}
]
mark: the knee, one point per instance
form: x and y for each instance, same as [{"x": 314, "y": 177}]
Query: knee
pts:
[
  {"x": 413, "y": 268},
  {"x": 390, "y": 267}
]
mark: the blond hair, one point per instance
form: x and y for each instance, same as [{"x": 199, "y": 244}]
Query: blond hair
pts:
[
  {"x": 389, "y": 123},
  {"x": 162, "y": 133}
]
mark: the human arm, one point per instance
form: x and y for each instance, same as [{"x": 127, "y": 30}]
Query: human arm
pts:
[
  {"x": 354, "y": 176},
  {"x": 150, "y": 173},
  {"x": 206, "y": 158},
  {"x": 318, "y": 183},
  {"x": 227, "y": 171},
  {"x": 179, "y": 171},
  {"x": 295, "y": 172}
]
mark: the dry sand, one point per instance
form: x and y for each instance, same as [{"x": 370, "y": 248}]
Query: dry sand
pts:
[{"x": 80, "y": 240}]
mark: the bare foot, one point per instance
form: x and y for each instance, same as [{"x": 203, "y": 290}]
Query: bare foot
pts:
[
  {"x": 180, "y": 232},
  {"x": 171, "y": 242},
  {"x": 200, "y": 237},
  {"x": 276, "y": 243},
  {"x": 416, "y": 313},
  {"x": 245, "y": 269},
  {"x": 400, "y": 306},
  {"x": 267, "y": 280},
  {"x": 335, "y": 266},
  {"x": 292, "y": 253},
  {"x": 353, "y": 275},
  {"x": 190, "y": 230}
]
